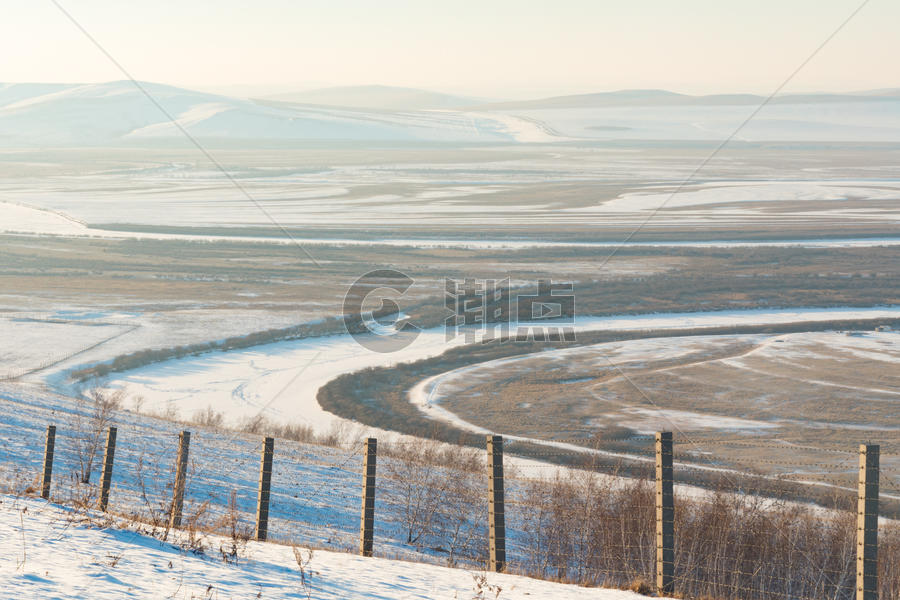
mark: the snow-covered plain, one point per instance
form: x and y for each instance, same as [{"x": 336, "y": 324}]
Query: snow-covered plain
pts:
[
  {"x": 19, "y": 219},
  {"x": 51, "y": 552},
  {"x": 755, "y": 197},
  {"x": 194, "y": 199},
  {"x": 317, "y": 490},
  {"x": 341, "y": 198}
]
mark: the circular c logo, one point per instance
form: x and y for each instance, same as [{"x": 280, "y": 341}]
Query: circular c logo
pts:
[{"x": 385, "y": 328}]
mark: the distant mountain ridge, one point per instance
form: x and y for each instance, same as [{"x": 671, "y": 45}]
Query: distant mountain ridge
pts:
[
  {"x": 379, "y": 97},
  {"x": 667, "y": 98},
  {"x": 118, "y": 113}
]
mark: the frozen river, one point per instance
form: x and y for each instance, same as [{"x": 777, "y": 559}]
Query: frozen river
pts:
[{"x": 281, "y": 380}]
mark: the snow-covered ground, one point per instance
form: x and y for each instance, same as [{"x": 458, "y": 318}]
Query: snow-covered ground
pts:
[
  {"x": 316, "y": 490},
  {"x": 28, "y": 343},
  {"x": 51, "y": 552},
  {"x": 755, "y": 198},
  {"x": 60, "y": 338}
]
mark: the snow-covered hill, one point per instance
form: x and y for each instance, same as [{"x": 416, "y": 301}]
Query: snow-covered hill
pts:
[
  {"x": 119, "y": 112},
  {"x": 50, "y": 552}
]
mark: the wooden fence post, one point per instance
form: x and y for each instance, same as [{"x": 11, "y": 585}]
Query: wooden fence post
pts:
[
  {"x": 265, "y": 489},
  {"x": 367, "y": 521},
  {"x": 496, "y": 510},
  {"x": 665, "y": 514},
  {"x": 108, "y": 458},
  {"x": 48, "y": 462},
  {"x": 184, "y": 441},
  {"x": 867, "y": 524}
]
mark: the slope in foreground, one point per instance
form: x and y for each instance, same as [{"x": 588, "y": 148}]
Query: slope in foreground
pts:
[{"x": 53, "y": 553}]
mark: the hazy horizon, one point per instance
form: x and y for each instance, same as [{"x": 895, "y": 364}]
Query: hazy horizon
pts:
[
  {"x": 271, "y": 90},
  {"x": 503, "y": 50}
]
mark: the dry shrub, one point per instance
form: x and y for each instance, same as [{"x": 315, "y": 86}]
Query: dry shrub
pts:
[
  {"x": 437, "y": 493},
  {"x": 743, "y": 546},
  {"x": 95, "y": 412},
  {"x": 260, "y": 425},
  {"x": 588, "y": 528},
  {"x": 889, "y": 560},
  {"x": 641, "y": 586},
  {"x": 595, "y": 530}
]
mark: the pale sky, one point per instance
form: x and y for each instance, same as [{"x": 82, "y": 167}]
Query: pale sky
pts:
[{"x": 492, "y": 48}]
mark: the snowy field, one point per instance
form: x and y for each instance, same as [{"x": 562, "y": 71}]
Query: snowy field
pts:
[
  {"x": 426, "y": 170},
  {"x": 100, "y": 194},
  {"x": 53, "y": 340},
  {"x": 315, "y": 503},
  {"x": 51, "y": 553},
  {"x": 32, "y": 342}
]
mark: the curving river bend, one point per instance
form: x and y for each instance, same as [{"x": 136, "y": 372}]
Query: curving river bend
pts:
[{"x": 281, "y": 380}]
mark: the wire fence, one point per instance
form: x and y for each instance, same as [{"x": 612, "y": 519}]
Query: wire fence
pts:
[{"x": 714, "y": 532}]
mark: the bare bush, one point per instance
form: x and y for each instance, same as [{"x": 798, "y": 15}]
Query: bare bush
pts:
[
  {"x": 588, "y": 528},
  {"x": 306, "y": 573},
  {"x": 238, "y": 532},
  {"x": 438, "y": 494},
  {"x": 209, "y": 418},
  {"x": 96, "y": 410},
  {"x": 744, "y": 546},
  {"x": 153, "y": 493},
  {"x": 260, "y": 425},
  {"x": 482, "y": 589},
  {"x": 595, "y": 530}
]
